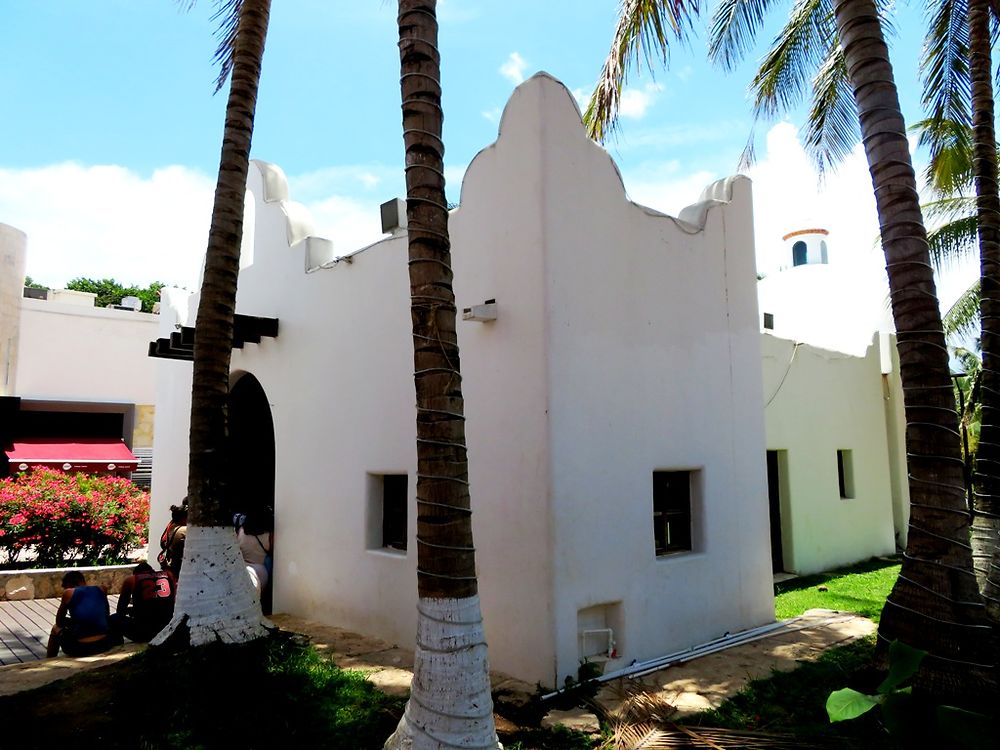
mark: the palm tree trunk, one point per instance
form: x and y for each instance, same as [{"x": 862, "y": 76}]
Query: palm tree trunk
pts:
[
  {"x": 986, "y": 498},
  {"x": 216, "y": 600},
  {"x": 450, "y": 703},
  {"x": 935, "y": 604}
]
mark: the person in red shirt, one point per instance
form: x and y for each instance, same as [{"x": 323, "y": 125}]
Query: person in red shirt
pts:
[
  {"x": 172, "y": 540},
  {"x": 146, "y": 603}
]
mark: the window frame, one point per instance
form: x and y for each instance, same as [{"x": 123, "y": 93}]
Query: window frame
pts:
[
  {"x": 673, "y": 512},
  {"x": 845, "y": 473}
]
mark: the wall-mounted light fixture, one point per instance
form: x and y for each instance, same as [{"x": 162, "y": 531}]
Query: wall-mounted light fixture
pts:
[{"x": 483, "y": 313}]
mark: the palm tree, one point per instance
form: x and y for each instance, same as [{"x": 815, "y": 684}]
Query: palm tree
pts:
[
  {"x": 986, "y": 500},
  {"x": 959, "y": 101},
  {"x": 450, "y": 703},
  {"x": 935, "y": 604},
  {"x": 959, "y": 132},
  {"x": 215, "y": 599}
]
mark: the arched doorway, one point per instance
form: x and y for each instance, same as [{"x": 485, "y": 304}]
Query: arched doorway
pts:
[{"x": 251, "y": 453}]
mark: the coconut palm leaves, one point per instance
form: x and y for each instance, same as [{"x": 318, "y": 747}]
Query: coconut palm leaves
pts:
[
  {"x": 803, "y": 60},
  {"x": 644, "y": 30}
]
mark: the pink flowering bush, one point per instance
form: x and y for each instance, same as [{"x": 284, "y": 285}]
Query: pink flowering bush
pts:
[{"x": 62, "y": 517}]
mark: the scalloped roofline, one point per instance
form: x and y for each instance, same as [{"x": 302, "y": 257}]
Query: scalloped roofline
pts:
[{"x": 691, "y": 218}]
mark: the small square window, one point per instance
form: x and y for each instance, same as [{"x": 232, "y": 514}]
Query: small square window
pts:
[
  {"x": 672, "y": 512},
  {"x": 387, "y": 512},
  {"x": 845, "y": 473}
]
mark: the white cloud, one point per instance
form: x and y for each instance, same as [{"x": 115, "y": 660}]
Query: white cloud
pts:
[
  {"x": 493, "y": 115},
  {"x": 635, "y": 102},
  {"x": 787, "y": 195},
  {"x": 105, "y": 221},
  {"x": 685, "y": 73},
  {"x": 513, "y": 69},
  {"x": 351, "y": 224},
  {"x": 348, "y": 179},
  {"x": 661, "y": 137}
]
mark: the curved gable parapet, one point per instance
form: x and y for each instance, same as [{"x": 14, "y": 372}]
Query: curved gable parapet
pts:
[
  {"x": 537, "y": 108},
  {"x": 273, "y": 208},
  {"x": 721, "y": 192},
  {"x": 542, "y": 116}
]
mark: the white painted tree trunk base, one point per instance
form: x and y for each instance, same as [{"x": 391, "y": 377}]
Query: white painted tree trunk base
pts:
[
  {"x": 215, "y": 597},
  {"x": 450, "y": 702}
]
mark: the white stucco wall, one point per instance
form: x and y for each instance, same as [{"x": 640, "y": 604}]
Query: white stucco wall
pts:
[
  {"x": 819, "y": 402},
  {"x": 172, "y": 389},
  {"x": 625, "y": 342},
  {"x": 12, "y": 265},
  {"x": 831, "y": 306},
  {"x": 895, "y": 428},
  {"x": 71, "y": 352},
  {"x": 651, "y": 351}
]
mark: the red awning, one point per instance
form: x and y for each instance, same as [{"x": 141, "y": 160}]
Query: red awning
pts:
[{"x": 94, "y": 454}]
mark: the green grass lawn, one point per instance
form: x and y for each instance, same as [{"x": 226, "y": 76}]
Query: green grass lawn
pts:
[
  {"x": 272, "y": 693},
  {"x": 794, "y": 702},
  {"x": 860, "y": 588}
]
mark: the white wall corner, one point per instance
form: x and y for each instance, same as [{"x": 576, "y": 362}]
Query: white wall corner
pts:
[
  {"x": 318, "y": 252},
  {"x": 731, "y": 189},
  {"x": 267, "y": 182}
]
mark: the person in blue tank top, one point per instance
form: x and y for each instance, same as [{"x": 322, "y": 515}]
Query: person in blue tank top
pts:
[{"x": 83, "y": 625}]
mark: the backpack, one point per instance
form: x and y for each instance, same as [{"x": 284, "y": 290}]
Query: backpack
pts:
[{"x": 166, "y": 541}]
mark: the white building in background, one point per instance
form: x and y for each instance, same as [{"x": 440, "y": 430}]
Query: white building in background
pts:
[
  {"x": 613, "y": 394},
  {"x": 70, "y": 372},
  {"x": 833, "y": 402}
]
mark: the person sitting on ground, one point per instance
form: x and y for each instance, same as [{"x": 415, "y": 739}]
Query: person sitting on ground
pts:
[
  {"x": 172, "y": 540},
  {"x": 151, "y": 595},
  {"x": 83, "y": 625}
]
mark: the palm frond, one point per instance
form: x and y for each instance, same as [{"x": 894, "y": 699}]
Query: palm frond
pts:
[
  {"x": 832, "y": 125},
  {"x": 749, "y": 154},
  {"x": 950, "y": 208},
  {"x": 947, "y": 84},
  {"x": 971, "y": 361},
  {"x": 733, "y": 30},
  {"x": 953, "y": 242},
  {"x": 781, "y": 79},
  {"x": 227, "y": 15},
  {"x": 886, "y": 9},
  {"x": 949, "y": 168},
  {"x": 645, "y": 29},
  {"x": 962, "y": 318}
]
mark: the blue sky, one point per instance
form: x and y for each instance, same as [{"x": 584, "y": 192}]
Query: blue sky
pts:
[{"x": 110, "y": 135}]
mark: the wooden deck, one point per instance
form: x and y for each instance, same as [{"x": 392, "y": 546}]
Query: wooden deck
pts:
[{"x": 25, "y": 626}]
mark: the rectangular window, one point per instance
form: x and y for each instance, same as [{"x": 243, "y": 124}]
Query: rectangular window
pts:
[
  {"x": 672, "y": 511},
  {"x": 394, "y": 511},
  {"x": 845, "y": 473},
  {"x": 769, "y": 321},
  {"x": 386, "y": 517}
]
